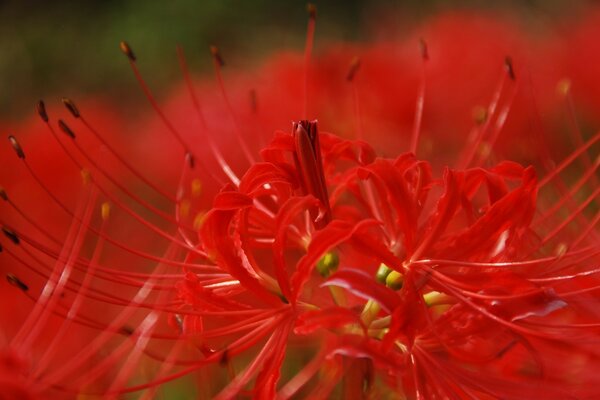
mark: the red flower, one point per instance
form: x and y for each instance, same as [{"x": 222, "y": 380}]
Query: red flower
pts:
[{"x": 324, "y": 269}]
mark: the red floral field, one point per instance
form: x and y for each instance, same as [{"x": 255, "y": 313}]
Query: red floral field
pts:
[{"x": 413, "y": 218}]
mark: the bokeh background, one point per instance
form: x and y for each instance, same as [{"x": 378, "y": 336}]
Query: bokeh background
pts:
[{"x": 52, "y": 49}]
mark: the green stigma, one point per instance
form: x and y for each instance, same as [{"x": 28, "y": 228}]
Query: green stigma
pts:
[{"x": 328, "y": 264}]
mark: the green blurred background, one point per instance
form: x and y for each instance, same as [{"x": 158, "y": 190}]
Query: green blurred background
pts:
[{"x": 51, "y": 49}]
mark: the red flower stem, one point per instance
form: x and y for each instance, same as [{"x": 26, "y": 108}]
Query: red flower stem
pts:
[
  {"x": 198, "y": 110},
  {"x": 588, "y": 231},
  {"x": 218, "y": 64},
  {"x": 123, "y": 160},
  {"x": 472, "y": 148},
  {"x": 351, "y": 77},
  {"x": 119, "y": 204},
  {"x": 34, "y": 224},
  {"x": 60, "y": 274},
  {"x": 238, "y": 346},
  {"x": 308, "y": 46},
  {"x": 576, "y": 133},
  {"x": 420, "y": 102},
  {"x": 565, "y": 222},
  {"x": 568, "y": 196},
  {"x": 497, "y": 128},
  {"x": 150, "y": 97},
  {"x": 123, "y": 188},
  {"x": 74, "y": 308},
  {"x": 117, "y": 323},
  {"x": 178, "y": 206},
  {"x": 554, "y": 172}
]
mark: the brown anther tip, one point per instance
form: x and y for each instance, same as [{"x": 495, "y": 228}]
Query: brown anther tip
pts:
[
  {"x": 65, "y": 128},
  {"x": 214, "y": 51},
  {"x": 126, "y": 49},
  {"x": 224, "y": 360},
  {"x": 190, "y": 159},
  {"x": 9, "y": 233},
  {"x": 16, "y": 146},
  {"x": 424, "y": 49},
  {"x": 508, "y": 64},
  {"x": 354, "y": 67},
  {"x": 3, "y": 194},
  {"x": 312, "y": 10},
  {"x": 253, "y": 101},
  {"x": 71, "y": 107},
  {"x": 16, "y": 282},
  {"x": 40, "y": 107},
  {"x": 126, "y": 330}
]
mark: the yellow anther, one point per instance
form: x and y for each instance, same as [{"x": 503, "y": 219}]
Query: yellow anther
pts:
[
  {"x": 382, "y": 273},
  {"x": 199, "y": 220},
  {"x": 431, "y": 297},
  {"x": 480, "y": 114},
  {"x": 86, "y": 176},
  {"x": 561, "y": 249},
  {"x": 563, "y": 87},
  {"x": 105, "y": 210},
  {"x": 394, "y": 280},
  {"x": 328, "y": 264},
  {"x": 485, "y": 149},
  {"x": 196, "y": 187},
  {"x": 184, "y": 208}
]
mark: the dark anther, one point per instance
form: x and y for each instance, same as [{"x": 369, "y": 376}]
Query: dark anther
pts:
[
  {"x": 354, "y": 66},
  {"x": 16, "y": 282},
  {"x": 127, "y": 51},
  {"x": 16, "y": 146},
  {"x": 214, "y": 50},
  {"x": 9, "y": 233},
  {"x": 3, "y": 194},
  {"x": 253, "y": 101},
  {"x": 65, "y": 128},
  {"x": 126, "y": 330},
  {"x": 40, "y": 107},
  {"x": 71, "y": 106},
  {"x": 283, "y": 299},
  {"x": 190, "y": 160},
  {"x": 224, "y": 358},
  {"x": 508, "y": 64},
  {"x": 424, "y": 49},
  {"x": 312, "y": 11}
]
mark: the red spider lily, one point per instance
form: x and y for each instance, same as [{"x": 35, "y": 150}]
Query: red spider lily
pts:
[{"x": 324, "y": 270}]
